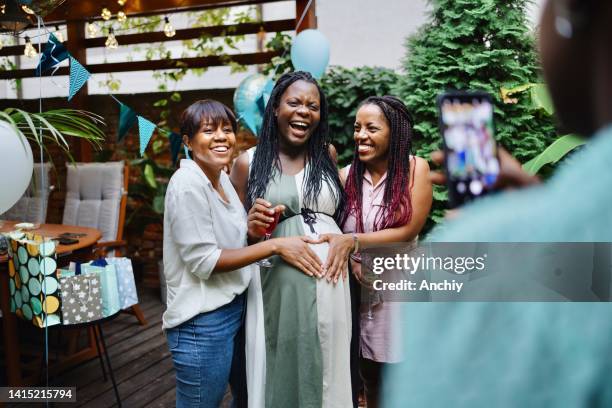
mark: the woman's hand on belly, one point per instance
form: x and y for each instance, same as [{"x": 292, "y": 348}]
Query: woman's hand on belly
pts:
[
  {"x": 296, "y": 252},
  {"x": 340, "y": 247}
]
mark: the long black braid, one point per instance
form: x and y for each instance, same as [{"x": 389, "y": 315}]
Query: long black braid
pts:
[
  {"x": 397, "y": 208},
  {"x": 321, "y": 166}
]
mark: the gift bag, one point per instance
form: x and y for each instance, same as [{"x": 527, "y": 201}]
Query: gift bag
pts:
[
  {"x": 33, "y": 280},
  {"x": 81, "y": 298},
  {"x": 108, "y": 285},
  {"x": 125, "y": 281}
]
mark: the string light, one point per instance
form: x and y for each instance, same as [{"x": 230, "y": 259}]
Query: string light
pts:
[
  {"x": 121, "y": 2},
  {"x": 168, "y": 29},
  {"x": 29, "y": 50},
  {"x": 27, "y": 9},
  {"x": 111, "y": 41},
  {"x": 121, "y": 17},
  {"x": 3, "y": 9},
  {"x": 92, "y": 29},
  {"x": 106, "y": 14},
  {"x": 58, "y": 34}
]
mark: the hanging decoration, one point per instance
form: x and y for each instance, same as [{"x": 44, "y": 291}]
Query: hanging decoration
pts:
[
  {"x": 106, "y": 14},
  {"x": 169, "y": 31},
  {"x": 111, "y": 42},
  {"x": 145, "y": 130},
  {"x": 127, "y": 119},
  {"x": 54, "y": 53},
  {"x": 310, "y": 52},
  {"x": 29, "y": 50},
  {"x": 78, "y": 77},
  {"x": 92, "y": 29},
  {"x": 175, "y": 146}
]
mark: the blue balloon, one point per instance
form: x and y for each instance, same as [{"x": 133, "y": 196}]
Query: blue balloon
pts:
[
  {"x": 310, "y": 52},
  {"x": 247, "y": 102}
]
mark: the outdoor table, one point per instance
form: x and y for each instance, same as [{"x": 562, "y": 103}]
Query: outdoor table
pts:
[{"x": 66, "y": 253}]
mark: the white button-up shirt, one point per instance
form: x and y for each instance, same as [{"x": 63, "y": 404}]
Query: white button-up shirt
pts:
[{"x": 198, "y": 224}]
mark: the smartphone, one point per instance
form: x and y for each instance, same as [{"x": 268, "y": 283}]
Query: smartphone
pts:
[{"x": 468, "y": 132}]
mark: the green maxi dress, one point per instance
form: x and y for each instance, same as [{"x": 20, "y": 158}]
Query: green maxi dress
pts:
[{"x": 298, "y": 328}]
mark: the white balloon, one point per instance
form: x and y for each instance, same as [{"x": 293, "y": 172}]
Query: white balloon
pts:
[{"x": 16, "y": 166}]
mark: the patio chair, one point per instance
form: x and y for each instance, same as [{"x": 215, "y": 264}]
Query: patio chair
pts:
[
  {"x": 32, "y": 206},
  {"x": 96, "y": 197}
]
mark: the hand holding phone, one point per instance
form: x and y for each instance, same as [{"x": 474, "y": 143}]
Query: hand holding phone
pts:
[{"x": 472, "y": 165}]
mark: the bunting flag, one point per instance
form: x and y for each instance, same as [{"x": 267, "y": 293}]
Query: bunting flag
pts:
[
  {"x": 52, "y": 55},
  {"x": 78, "y": 77},
  {"x": 127, "y": 119},
  {"x": 175, "y": 146},
  {"x": 145, "y": 128}
]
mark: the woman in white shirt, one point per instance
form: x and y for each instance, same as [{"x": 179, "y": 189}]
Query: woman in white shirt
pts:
[{"x": 207, "y": 263}]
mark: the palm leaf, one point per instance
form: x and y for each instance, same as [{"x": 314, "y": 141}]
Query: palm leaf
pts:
[{"x": 553, "y": 153}]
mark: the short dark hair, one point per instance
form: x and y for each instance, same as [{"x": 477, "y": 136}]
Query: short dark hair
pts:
[{"x": 206, "y": 111}]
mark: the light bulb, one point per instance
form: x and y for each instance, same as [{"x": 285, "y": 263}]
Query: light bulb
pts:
[
  {"x": 121, "y": 17},
  {"x": 92, "y": 29},
  {"x": 168, "y": 29},
  {"x": 27, "y": 9},
  {"x": 111, "y": 41},
  {"x": 29, "y": 50},
  {"x": 121, "y": 2},
  {"x": 58, "y": 34},
  {"x": 3, "y": 9},
  {"x": 106, "y": 14}
]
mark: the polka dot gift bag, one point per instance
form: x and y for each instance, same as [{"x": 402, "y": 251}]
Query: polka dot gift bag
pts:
[{"x": 33, "y": 279}]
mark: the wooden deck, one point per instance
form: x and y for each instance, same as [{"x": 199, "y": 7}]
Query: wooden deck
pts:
[{"x": 141, "y": 362}]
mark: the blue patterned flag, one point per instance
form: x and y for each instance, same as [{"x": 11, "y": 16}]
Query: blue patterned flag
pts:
[
  {"x": 175, "y": 145},
  {"x": 145, "y": 128},
  {"x": 52, "y": 55},
  {"x": 127, "y": 119},
  {"x": 78, "y": 77}
]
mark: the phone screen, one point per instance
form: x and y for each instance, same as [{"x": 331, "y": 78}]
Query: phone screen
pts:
[{"x": 471, "y": 153}]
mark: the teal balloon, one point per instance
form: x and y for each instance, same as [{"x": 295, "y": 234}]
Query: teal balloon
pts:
[
  {"x": 310, "y": 52},
  {"x": 246, "y": 100}
]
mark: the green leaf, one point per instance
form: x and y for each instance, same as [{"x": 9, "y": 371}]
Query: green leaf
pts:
[
  {"x": 158, "y": 204},
  {"x": 553, "y": 153},
  {"x": 149, "y": 176},
  {"x": 541, "y": 99}
]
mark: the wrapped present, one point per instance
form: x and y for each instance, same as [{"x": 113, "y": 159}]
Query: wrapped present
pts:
[
  {"x": 125, "y": 281},
  {"x": 108, "y": 284},
  {"x": 81, "y": 298},
  {"x": 33, "y": 280}
]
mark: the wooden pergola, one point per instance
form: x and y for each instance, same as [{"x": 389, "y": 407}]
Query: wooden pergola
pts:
[{"x": 76, "y": 13}]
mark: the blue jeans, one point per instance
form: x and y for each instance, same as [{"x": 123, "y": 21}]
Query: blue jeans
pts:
[{"x": 208, "y": 352}]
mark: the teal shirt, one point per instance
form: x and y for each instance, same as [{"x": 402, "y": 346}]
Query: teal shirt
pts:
[{"x": 517, "y": 354}]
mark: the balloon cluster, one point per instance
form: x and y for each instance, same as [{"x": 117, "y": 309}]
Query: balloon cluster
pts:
[{"x": 309, "y": 52}]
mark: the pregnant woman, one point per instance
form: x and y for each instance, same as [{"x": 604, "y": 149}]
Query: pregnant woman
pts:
[{"x": 298, "y": 327}]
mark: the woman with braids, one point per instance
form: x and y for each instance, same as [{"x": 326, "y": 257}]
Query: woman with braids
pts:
[
  {"x": 298, "y": 327},
  {"x": 388, "y": 199}
]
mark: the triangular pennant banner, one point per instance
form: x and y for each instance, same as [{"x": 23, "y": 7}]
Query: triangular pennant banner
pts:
[
  {"x": 175, "y": 146},
  {"x": 127, "y": 119},
  {"x": 78, "y": 77},
  {"x": 145, "y": 128},
  {"x": 52, "y": 55}
]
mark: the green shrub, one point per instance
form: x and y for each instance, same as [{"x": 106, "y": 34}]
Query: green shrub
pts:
[{"x": 481, "y": 45}]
